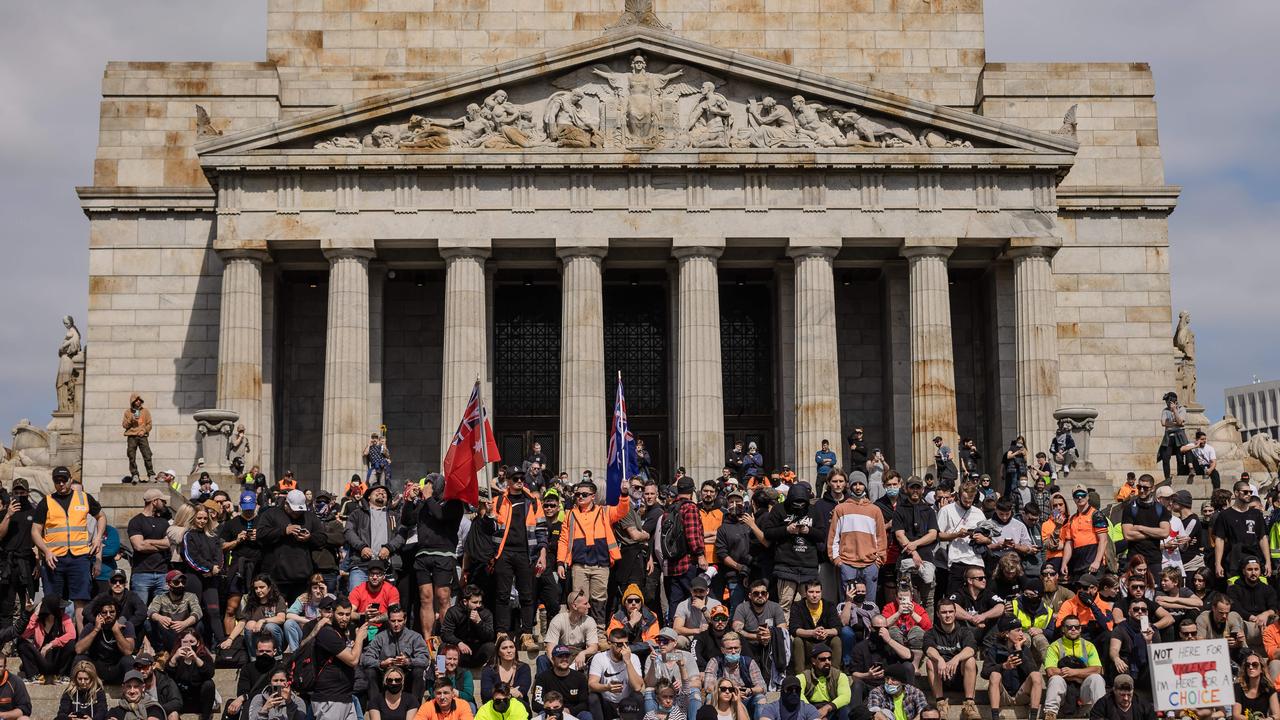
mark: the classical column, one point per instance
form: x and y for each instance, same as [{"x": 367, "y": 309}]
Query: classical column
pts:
[
  {"x": 582, "y": 382},
  {"x": 240, "y": 342},
  {"x": 1037, "y": 338},
  {"x": 346, "y": 367},
  {"x": 700, "y": 390},
  {"x": 817, "y": 386},
  {"x": 466, "y": 335},
  {"x": 377, "y": 290},
  {"x": 933, "y": 375}
]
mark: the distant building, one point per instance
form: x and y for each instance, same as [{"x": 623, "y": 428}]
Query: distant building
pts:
[{"x": 1256, "y": 406}]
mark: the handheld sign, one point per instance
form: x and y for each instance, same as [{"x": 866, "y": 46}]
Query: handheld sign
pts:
[{"x": 1195, "y": 674}]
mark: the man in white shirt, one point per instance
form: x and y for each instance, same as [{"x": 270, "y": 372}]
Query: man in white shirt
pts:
[
  {"x": 956, "y": 525},
  {"x": 1204, "y": 460},
  {"x": 614, "y": 675}
]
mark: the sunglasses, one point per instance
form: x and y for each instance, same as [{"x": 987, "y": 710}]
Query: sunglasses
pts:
[
  {"x": 1079, "y": 496},
  {"x": 117, "y": 581},
  {"x": 1145, "y": 487},
  {"x": 759, "y": 593},
  {"x": 633, "y": 601},
  {"x": 1070, "y": 627},
  {"x": 823, "y": 658},
  {"x": 1253, "y": 664},
  {"x": 726, "y": 689},
  {"x": 976, "y": 577},
  {"x": 1138, "y": 610},
  {"x": 1189, "y": 635},
  {"x": 583, "y": 494}
]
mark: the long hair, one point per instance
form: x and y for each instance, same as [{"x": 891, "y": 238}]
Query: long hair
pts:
[
  {"x": 53, "y": 606},
  {"x": 201, "y": 650},
  {"x": 209, "y": 526},
  {"x": 1264, "y": 683},
  {"x": 273, "y": 594},
  {"x": 95, "y": 683},
  {"x": 496, "y": 662},
  {"x": 1134, "y": 561},
  {"x": 182, "y": 518}
]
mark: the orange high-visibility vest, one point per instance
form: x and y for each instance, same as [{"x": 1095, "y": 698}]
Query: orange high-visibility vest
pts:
[
  {"x": 502, "y": 514},
  {"x": 67, "y": 531}
]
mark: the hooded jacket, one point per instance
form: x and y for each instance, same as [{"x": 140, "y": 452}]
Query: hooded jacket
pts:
[
  {"x": 795, "y": 556},
  {"x": 290, "y": 559},
  {"x": 139, "y": 426},
  {"x": 857, "y": 535},
  {"x": 358, "y": 532},
  {"x": 435, "y": 519}
]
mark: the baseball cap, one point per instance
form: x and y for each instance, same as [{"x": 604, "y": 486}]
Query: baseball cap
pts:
[
  {"x": 819, "y": 649},
  {"x": 61, "y": 472},
  {"x": 328, "y": 602},
  {"x": 791, "y": 682},
  {"x": 900, "y": 672},
  {"x": 133, "y": 675},
  {"x": 119, "y": 574},
  {"x": 171, "y": 472},
  {"x": 249, "y": 500},
  {"x": 1183, "y": 498},
  {"x": 1087, "y": 580},
  {"x": 296, "y": 500},
  {"x": 734, "y": 491},
  {"x": 668, "y": 634},
  {"x": 1123, "y": 682},
  {"x": 1009, "y": 623},
  {"x": 378, "y": 564},
  {"x": 21, "y": 483},
  {"x": 718, "y": 611},
  {"x": 144, "y": 658},
  {"x": 562, "y": 650},
  {"x": 1079, "y": 489},
  {"x": 915, "y": 481},
  {"x": 171, "y": 576},
  {"x": 700, "y": 583},
  {"x": 684, "y": 486},
  {"x": 1164, "y": 491},
  {"x": 152, "y": 494}
]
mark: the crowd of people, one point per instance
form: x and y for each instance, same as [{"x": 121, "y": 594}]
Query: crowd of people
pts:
[{"x": 750, "y": 595}]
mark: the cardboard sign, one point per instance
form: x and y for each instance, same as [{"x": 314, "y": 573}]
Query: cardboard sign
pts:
[{"x": 1195, "y": 674}]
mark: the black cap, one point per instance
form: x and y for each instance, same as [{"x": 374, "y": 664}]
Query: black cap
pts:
[
  {"x": 819, "y": 649},
  {"x": 61, "y": 472},
  {"x": 1009, "y": 622},
  {"x": 700, "y": 583},
  {"x": 377, "y": 564},
  {"x": 328, "y": 602},
  {"x": 900, "y": 672},
  {"x": 685, "y": 486},
  {"x": 630, "y": 709},
  {"x": 1087, "y": 580},
  {"x": 1033, "y": 584}
]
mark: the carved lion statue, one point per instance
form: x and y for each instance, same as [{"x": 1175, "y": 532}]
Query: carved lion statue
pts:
[
  {"x": 1224, "y": 435},
  {"x": 1264, "y": 449}
]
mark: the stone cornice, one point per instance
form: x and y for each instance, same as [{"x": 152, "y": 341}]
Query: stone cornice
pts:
[
  {"x": 1133, "y": 198},
  {"x": 111, "y": 199},
  {"x": 1020, "y": 247}
]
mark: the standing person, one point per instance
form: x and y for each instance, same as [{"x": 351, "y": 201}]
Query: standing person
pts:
[
  {"x": 970, "y": 460},
  {"x": 791, "y": 529},
  {"x": 435, "y": 562},
  {"x": 752, "y": 465},
  {"x": 137, "y": 428},
  {"x": 944, "y": 462},
  {"x": 587, "y": 547},
  {"x": 243, "y": 554},
  {"x": 1146, "y": 523},
  {"x": 17, "y": 553},
  {"x": 202, "y": 563},
  {"x": 60, "y": 529},
  {"x": 858, "y": 451},
  {"x": 711, "y": 513},
  {"x": 1173, "y": 418},
  {"x": 147, "y": 536},
  {"x": 958, "y": 525},
  {"x": 292, "y": 532},
  {"x": 335, "y": 663},
  {"x": 915, "y": 525},
  {"x": 1015, "y": 465},
  {"x": 1085, "y": 539},
  {"x": 521, "y": 554},
  {"x": 825, "y": 459},
  {"x": 681, "y": 568},
  {"x": 370, "y": 532},
  {"x": 733, "y": 550},
  {"x": 1240, "y": 533},
  {"x": 734, "y": 460},
  {"x": 377, "y": 459}
]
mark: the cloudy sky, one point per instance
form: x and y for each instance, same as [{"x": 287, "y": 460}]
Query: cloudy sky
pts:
[{"x": 1215, "y": 66}]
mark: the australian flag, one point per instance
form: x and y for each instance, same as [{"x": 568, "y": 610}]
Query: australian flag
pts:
[{"x": 622, "y": 450}]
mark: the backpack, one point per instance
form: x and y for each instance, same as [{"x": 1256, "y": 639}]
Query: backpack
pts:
[
  {"x": 303, "y": 666},
  {"x": 674, "y": 543}
]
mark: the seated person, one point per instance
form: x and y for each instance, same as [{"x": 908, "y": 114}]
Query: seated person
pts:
[
  {"x": 709, "y": 643},
  {"x": 572, "y": 627},
  {"x": 873, "y": 657},
  {"x": 813, "y": 622},
  {"x": 1255, "y": 694},
  {"x": 1253, "y": 598},
  {"x": 396, "y": 646},
  {"x": 14, "y": 700},
  {"x": 897, "y": 697},
  {"x": 389, "y": 700},
  {"x": 1093, "y": 612},
  {"x": 262, "y": 611},
  {"x": 133, "y": 704},
  {"x": 1121, "y": 703},
  {"x": 468, "y": 626},
  {"x": 47, "y": 645},
  {"x": 951, "y": 661},
  {"x": 1036, "y": 617},
  {"x": 372, "y": 597},
  {"x": 691, "y": 614},
  {"x": 190, "y": 665},
  {"x": 755, "y": 620},
  {"x": 502, "y": 706},
  {"x": 460, "y": 680},
  {"x": 132, "y": 607},
  {"x": 1012, "y": 672},
  {"x": 276, "y": 701},
  {"x": 908, "y": 622},
  {"x": 553, "y": 708},
  {"x": 1129, "y": 641},
  {"x": 445, "y": 705},
  {"x": 158, "y": 686},
  {"x": 739, "y": 669},
  {"x": 84, "y": 697},
  {"x": 636, "y": 621},
  {"x": 568, "y": 683},
  {"x": 1072, "y": 664},
  {"x": 108, "y": 642},
  {"x": 253, "y": 677},
  {"x": 679, "y": 668},
  {"x": 305, "y": 608},
  {"x": 614, "y": 675},
  {"x": 666, "y": 704},
  {"x": 790, "y": 704},
  {"x": 824, "y": 686},
  {"x": 855, "y": 613},
  {"x": 171, "y": 612},
  {"x": 507, "y": 669},
  {"x": 727, "y": 703}
]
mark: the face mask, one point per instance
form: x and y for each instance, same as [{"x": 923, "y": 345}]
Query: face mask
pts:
[
  {"x": 891, "y": 492},
  {"x": 394, "y": 687},
  {"x": 501, "y": 705},
  {"x": 1031, "y": 603},
  {"x": 263, "y": 662},
  {"x": 892, "y": 688},
  {"x": 554, "y": 714},
  {"x": 858, "y": 494},
  {"x": 859, "y": 597},
  {"x": 732, "y": 659},
  {"x": 791, "y": 700}
]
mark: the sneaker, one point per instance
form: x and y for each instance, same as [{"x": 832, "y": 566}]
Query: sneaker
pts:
[
  {"x": 1033, "y": 714},
  {"x": 1050, "y": 715},
  {"x": 944, "y": 708},
  {"x": 969, "y": 711},
  {"x": 133, "y": 480},
  {"x": 528, "y": 643}
]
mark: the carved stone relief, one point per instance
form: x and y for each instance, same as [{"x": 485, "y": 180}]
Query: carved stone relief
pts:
[{"x": 640, "y": 109}]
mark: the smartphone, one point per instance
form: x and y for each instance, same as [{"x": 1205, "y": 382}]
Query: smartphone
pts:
[
  {"x": 1144, "y": 623},
  {"x": 440, "y": 662}
]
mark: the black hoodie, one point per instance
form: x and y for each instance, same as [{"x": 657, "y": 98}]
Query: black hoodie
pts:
[{"x": 795, "y": 556}]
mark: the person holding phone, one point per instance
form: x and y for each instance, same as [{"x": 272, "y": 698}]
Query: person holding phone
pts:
[
  {"x": 84, "y": 697},
  {"x": 397, "y": 646},
  {"x": 1128, "y": 645},
  {"x": 277, "y": 701}
]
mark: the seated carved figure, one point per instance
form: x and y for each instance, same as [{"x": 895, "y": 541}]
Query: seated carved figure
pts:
[{"x": 862, "y": 130}]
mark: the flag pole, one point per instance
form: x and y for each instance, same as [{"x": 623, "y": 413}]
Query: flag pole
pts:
[
  {"x": 484, "y": 441},
  {"x": 622, "y": 447}
]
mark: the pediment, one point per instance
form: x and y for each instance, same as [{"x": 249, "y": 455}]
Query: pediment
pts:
[{"x": 636, "y": 91}]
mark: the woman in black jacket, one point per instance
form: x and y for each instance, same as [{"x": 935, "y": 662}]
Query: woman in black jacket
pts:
[
  {"x": 84, "y": 698},
  {"x": 190, "y": 665},
  {"x": 202, "y": 561}
]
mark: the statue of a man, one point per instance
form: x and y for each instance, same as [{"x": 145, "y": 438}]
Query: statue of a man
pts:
[
  {"x": 710, "y": 121},
  {"x": 68, "y": 352}
]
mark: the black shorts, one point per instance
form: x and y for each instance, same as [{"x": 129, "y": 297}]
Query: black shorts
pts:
[{"x": 436, "y": 570}]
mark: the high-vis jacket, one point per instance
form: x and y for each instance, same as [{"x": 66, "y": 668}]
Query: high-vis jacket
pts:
[
  {"x": 67, "y": 531},
  {"x": 586, "y": 537}
]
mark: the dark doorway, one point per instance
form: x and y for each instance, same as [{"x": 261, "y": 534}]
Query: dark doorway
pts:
[
  {"x": 636, "y": 343},
  {"x": 746, "y": 359},
  {"x": 526, "y": 373},
  {"x": 302, "y": 318}
]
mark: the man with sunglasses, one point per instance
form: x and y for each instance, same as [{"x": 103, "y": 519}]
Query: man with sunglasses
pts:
[
  {"x": 1145, "y": 522},
  {"x": 975, "y": 604},
  {"x": 614, "y": 675},
  {"x": 1241, "y": 533},
  {"x": 1093, "y": 612},
  {"x": 60, "y": 529},
  {"x": 1084, "y": 539},
  {"x": 521, "y": 555},
  {"x": 173, "y": 611},
  {"x": 132, "y": 608},
  {"x": 1073, "y": 670},
  {"x": 1130, "y": 639},
  {"x": 588, "y": 548}
]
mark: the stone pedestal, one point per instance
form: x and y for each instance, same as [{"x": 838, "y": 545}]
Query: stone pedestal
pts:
[
  {"x": 817, "y": 386},
  {"x": 213, "y": 435},
  {"x": 1081, "y": 420},
  {"x": 466, "y": 337},
  {"x": 1036, "y": 338},
  {"x": 240, "y": 343},
  {"x": 933, "y": 376},
  {"x": 582, "y": 382},
  {"x": 700, "y": 385},
  {"x": 346, "y": 367}
]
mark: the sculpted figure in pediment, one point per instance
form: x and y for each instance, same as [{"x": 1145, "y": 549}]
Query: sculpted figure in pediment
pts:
[
  {"x": 866, "y": 132},
  {"x": 566, "y": 121},
  {"x": 512, "y": 126},
  {"x": 710, "y": 120},
  {"x": 771, "y": 125},
  {"x": 814, "y": 126}
]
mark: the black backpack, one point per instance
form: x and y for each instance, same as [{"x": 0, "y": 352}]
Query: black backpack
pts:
[
  {"x": 674, "y": 543},
  {"x": 304, "y": 667}
]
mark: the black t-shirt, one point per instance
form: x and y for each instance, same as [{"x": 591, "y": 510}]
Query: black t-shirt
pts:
[
  {"x": 915, "y": 520},
  {"x": 408, "y": 707},
  {"x": 1145, "y": 515},
  {"x": 1242, "y": 532},
  {"x": 1193, "y": 528},
  {"x": 104, "y": 646},
  {"x": 248, "y": 551},
  {"x": 42, "y": 510},
  {"x": 950, "y": 644},
  {"x": 981, "y": 604},
  {"x": 517, "y": 531},
  {"x": 150, "y": 528},
  {"x": 18, "y": 539},
  {"x": 334, "y": 678},
  {"x": 153, "y": 712},
  {"x": 572, "y": 687},
  {"x": 1260, "y": 706}
]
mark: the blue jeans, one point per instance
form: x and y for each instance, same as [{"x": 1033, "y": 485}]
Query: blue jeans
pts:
[
  {"x": 678, "y": 589},
  {"x": 292, "y": 635},
  {"x": 356, "y": 576},
  {"x": 251, "y": 645},
  {"x": 382, "y": 467},
  {"x": 847, "y": 640},
  {"x": 147, "y": 585},
  {"x": 870, "y": 575}
]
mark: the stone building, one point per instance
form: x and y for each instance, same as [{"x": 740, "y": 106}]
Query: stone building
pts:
[
  {"x": 1256, "y": 406},
  {"x": 777, "y": 218}
]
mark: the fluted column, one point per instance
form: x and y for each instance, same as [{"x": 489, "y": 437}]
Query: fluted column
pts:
[
  {"x": 933, "y": 374},
  {"x": 582, "y": 381},
  {"x": 700, "y": 390},
  {"x": 240, "y": 342},
  {"x": 346, "y": 367},
  {"x": 466, "y": 335},
  {"x": 377, "y": 290},
  {"x": 817, "y": 385},
  {"x": 1036, "y": 338}
]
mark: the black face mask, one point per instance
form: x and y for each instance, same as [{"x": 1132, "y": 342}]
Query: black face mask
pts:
[
  {"x": 859, "y": 598},
  {"x": 394, "y": 687},
  {"x": 501, "y": 705},
  {"x": 554, "y": 714},
  {"x": 264, "y": 662},
  {"x": 1031, "y": 603},
  {"x": 791, "y": 699}
]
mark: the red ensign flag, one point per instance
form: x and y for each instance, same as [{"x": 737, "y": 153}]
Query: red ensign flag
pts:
[{"x": 472, "y": 448}]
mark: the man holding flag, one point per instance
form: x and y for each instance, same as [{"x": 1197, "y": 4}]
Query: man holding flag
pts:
[{"x": 588, "y": 546}]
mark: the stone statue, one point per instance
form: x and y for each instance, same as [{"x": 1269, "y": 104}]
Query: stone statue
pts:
[
  {"x": 638, "y": 12},
  {"x": 864, "y": 131},
  {"x": 424, "y": 133},
  {"x": 813, "y": 126},
  {"x": 512, "y": 126},
  {"x": 1184, "y": 344},
  {"x": 1266, "y": 451},
  {"x": 1068, "y": 123},
  {"x": 565, "y": 121},
  {"x": 934, "y": 139},
  {"x": 204, "y": 126},
  {"x": 772, "y": 126},
  {"x": 68, "y": 352},
  {"x": 1183, "y": 338},
  {"x": 710, "y": 120},
  {"x": 338, "y": 143},
  {"x": 642, "y": 91}
]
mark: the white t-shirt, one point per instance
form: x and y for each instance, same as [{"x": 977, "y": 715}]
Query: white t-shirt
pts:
[
  {"x": 950, "y": 519},
  {"x": 606, "y": 670},
  {"x": 1169, "y": 555},
  {"x": 1206, "y": 455}
]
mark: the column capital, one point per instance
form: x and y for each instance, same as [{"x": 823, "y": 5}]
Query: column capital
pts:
[
  {"x": 582, "y": 248},
  {"x": 471, "y": 251},
  {"x": 914, "y": 247},
  {"x": 340, "y": 253},
  {"x": 810, "y": 248},
  {"x": 710, "y": 249},
  {"x": 260, "y": 256},
  {"x": 1043, "y": 246}
]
